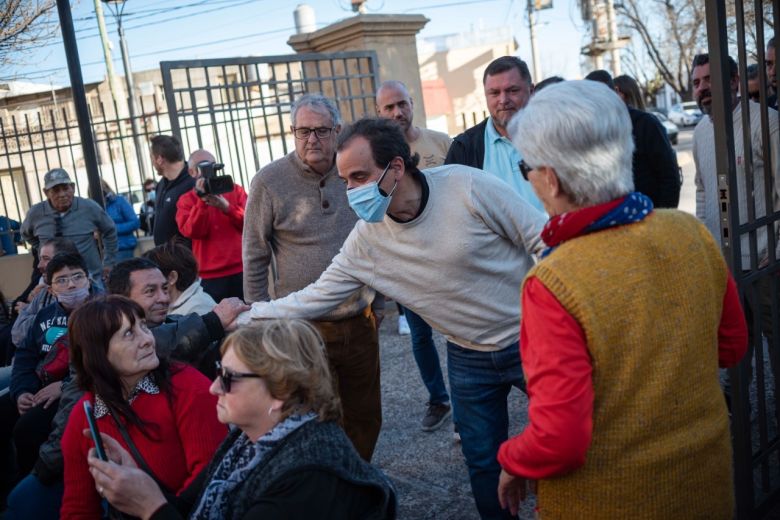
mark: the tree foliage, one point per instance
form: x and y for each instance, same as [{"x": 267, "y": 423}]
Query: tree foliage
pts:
[
  {"x": 671, "y": 32},
  {"x": 24, "y": 24}
]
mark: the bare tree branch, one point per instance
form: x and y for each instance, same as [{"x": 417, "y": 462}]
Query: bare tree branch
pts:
[
  {"x": 680, "y": 27},
  {"x": 23, "y": 26}
]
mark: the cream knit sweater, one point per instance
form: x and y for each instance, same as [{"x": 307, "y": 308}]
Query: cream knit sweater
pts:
[{"x": 459, "y": 264}]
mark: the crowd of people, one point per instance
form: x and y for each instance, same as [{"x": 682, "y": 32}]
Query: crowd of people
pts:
[{"x": 232, "y": 370}]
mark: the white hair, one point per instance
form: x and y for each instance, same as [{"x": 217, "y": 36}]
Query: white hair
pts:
[
  {"x": 582, "y": 130},
  {"x": 318, "y": 103}
]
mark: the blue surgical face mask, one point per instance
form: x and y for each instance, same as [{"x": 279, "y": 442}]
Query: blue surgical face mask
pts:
[{"x": 368, "y": 202}]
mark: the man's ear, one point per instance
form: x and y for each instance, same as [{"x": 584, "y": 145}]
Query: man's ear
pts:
[{"x": 173, "y": 277}]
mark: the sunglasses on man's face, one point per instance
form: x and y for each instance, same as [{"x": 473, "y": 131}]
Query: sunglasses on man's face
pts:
[{"x": 226, "y": 377}]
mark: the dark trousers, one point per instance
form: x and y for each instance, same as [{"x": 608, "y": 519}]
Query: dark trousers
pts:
[
  {"x": 352, "y": 346},
  {"x": 20, "y": 439},
  {"x": 22, "y": 436},
  {"x": 224, "y": 287}
]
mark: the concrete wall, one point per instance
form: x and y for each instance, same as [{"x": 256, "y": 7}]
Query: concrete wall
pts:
[{"x": 391, "y": 36}]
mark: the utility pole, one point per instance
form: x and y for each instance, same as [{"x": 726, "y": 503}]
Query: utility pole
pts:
[
  {"x": 80, "y": 101},
  {"x": 119, "y": 6},
  {"x": 532, "y": 33},
  {"x": 614, "y": 48},
  {"x": 107, "y": 55}
]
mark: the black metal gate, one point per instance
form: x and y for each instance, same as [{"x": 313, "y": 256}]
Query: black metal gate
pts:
[
  {"x": 744, "y": 228},
  {"x": 239, "y": 108}
]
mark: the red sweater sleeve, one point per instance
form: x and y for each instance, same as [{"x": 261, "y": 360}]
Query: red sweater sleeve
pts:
[
  {"x": 192, "y": 216},
  {"x": 732, "y": 332},
  {"x": 236, "y": 210},
  {"x": 195, "y": 411},
  {"x": 81, "y": 499},
  {"x": 558, "y": 371}
]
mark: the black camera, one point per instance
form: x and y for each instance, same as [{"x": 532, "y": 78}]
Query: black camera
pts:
[{"x": 214, "y": 184}]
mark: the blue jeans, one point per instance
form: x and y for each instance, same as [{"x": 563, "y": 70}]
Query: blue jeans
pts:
[
  {"x": 427, "y": 358},
  {"x": 480, "y": 383},
  {"x": 31, "y": 499}
]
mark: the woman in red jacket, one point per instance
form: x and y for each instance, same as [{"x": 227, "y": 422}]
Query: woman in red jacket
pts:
[{"x": 165, "y": 410}]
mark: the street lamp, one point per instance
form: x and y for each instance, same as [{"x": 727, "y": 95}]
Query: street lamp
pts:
[{"x": 117, "y": 8}]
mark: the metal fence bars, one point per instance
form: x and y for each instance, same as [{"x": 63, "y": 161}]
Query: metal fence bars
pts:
[
  {"x": 239, "y": 108},
  {"x": 753, "y": 383},
  {"x": 42, "y": 134}
]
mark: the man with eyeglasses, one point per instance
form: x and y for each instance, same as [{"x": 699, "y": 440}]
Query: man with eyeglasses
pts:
[
  {"x": 65, "y": 215},
  {"x": 297, "y": 216},
  {"x": 41, "y": 366}
]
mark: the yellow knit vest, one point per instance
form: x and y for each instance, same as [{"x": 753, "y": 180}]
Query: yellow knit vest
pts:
[{"x": 648, "y": 297}]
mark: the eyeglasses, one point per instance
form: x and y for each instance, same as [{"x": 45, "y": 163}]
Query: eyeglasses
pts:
[
  {"x": 64, "y": 281},
  {"x": 226, "y": 378},
  {"x": 303, "y": 134},
  {"x": 524, "y": 168}
]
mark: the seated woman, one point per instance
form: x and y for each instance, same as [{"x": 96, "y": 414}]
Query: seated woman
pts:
[
  {"x": 286, "y": 458},
  {"x": 164, "y": 410},
  {"x": 179, "y": 266}
]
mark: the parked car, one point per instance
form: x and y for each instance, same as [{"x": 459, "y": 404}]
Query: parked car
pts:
[
  {"x": 685, "y": 114},
  {"x": 671, "y": 128}
]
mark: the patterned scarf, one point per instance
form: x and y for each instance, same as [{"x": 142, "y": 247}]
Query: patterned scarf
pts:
[
  {"x": 626, "y": 210},
  {"x": 239, "y": 461}
]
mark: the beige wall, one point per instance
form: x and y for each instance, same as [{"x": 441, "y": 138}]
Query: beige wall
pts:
[{"x": 462, "y": 69}]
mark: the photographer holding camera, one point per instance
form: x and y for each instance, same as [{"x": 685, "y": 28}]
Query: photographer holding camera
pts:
[{"x": 212, "y": 216}]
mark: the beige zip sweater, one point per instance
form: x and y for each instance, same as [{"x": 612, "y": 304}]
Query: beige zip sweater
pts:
[{"x": 459, "y": 264}]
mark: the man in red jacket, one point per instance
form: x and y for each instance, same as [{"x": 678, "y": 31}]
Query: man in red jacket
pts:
[{"x": 214, "y": 223}]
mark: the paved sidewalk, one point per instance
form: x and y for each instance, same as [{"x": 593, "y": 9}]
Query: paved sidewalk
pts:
[{"x": 427, "y": 469}]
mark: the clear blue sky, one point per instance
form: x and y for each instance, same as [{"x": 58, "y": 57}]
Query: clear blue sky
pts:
[{"x": 188, "y": 29}]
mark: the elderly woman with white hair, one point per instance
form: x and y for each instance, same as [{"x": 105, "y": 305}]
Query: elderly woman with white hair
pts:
[{"x": 625, "y": 322}]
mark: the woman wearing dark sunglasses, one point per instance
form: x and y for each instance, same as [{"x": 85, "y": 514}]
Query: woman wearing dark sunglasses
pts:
[{"x": 287, "y": 456}]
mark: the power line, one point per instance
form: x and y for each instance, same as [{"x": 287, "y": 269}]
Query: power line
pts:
[
  {"x": 235, "y": 3},
  {"x": 173, "y": 49}
]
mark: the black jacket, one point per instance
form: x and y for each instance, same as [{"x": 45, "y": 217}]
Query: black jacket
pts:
[
  {"x": 469, "y": 147},
  {"x": 299, "y": 478},
  {"x": 184, "y": 338},
  {"x": 168, "y": 193},
  {"x": 656, "y": 173}
]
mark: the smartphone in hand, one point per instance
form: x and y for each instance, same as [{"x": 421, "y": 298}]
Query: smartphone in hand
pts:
[{"x": 101, "y": 452}]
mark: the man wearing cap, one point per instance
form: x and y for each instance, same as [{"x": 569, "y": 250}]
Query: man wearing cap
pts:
[{"x": 63, "y": 214}]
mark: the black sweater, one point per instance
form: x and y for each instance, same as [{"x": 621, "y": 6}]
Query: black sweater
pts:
[{"x": 168, "y": 193}]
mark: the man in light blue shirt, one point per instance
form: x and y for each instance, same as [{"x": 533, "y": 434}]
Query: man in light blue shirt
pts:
[{"x": 508, "y": 87}]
